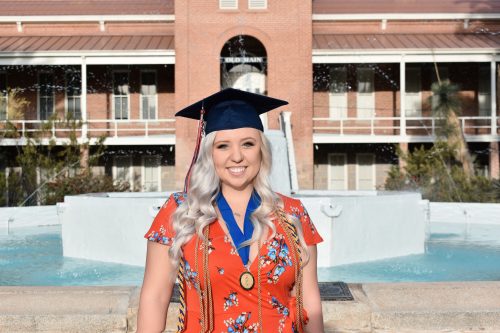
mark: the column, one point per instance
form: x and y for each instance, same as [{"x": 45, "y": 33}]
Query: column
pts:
[
  {"x": 402, "y": 96},
  {"x": 493, "y": 73},
  {"x": 83, "y": 99},
  {"x": 404, "y": 148},
  {"x": 494, "y": 160}
]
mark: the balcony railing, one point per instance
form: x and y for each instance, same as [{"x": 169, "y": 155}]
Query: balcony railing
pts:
[
  {"x": 93, "y": 128},
  {"x": 420, "y": 126}
]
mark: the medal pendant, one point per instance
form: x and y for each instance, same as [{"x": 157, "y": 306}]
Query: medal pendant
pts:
[{"x": 247, "y": 280}]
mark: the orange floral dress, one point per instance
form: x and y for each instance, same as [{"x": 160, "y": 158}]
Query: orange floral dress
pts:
[{"x": 235, "y": 309}]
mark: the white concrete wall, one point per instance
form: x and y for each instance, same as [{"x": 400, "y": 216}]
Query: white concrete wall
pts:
[
  {"x": 368, "y": 227},
  {"x": 108, "y": 228},
  {"x": 14, "y": 217},
  {"x": 468, "y": 212}
]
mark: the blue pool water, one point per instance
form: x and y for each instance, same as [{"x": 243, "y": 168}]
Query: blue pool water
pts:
[{"x": 33, "y": 256}]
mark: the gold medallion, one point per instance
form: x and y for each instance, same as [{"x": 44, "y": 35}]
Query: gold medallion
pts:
[{"x": 247, "y": 281}]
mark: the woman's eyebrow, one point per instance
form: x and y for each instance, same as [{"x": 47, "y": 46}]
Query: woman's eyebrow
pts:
[{"x": 244, "y": 139}]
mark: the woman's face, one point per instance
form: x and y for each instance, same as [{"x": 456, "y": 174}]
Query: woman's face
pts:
[{"x": 236, "y": 154}]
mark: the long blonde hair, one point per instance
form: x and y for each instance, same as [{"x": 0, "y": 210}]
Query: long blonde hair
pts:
[{"x": 198, "y": 210}]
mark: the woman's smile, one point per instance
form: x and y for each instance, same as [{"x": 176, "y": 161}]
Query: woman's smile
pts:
[{"x": 237, "y": 157}]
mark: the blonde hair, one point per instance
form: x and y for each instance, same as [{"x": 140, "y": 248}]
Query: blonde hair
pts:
[{"x": 198, "y": 210}]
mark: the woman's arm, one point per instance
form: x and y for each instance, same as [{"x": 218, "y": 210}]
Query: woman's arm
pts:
[
  {"x": 311, "y": 296},
  {"x": 159, "y": 279}
]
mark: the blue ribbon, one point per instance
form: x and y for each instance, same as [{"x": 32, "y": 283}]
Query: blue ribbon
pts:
[{"x": 234, "y": 230}]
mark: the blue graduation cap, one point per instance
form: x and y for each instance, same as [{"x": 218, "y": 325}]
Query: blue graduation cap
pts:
[
  {"x": 227, "y": 109},
  {"x": 230, "y": 109}
]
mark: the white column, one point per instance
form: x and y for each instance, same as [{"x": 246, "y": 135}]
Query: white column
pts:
[
  {"x": 83, "y": 99},
  {"x": 493, "y": 80},
  {"x": 402, "y": 95}
]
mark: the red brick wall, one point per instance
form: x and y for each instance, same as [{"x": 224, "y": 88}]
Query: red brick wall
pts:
[{"x": 285, "y": 31}]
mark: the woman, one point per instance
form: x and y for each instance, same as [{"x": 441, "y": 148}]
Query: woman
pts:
[{"x": 246, "y": 255}]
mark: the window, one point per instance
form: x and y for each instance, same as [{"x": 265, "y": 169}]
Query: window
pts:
[
  {"x": 413, "y": 94},
  {"x": 366, "y": 92},
  {"x": 3, "y": 96},
  {"x": 46, "y": 103},
  {"x": 228, "y": 4},
  {"x": 122, "y": 169},
  {"x": 484, "y": 91},
  {"x": 257, "y": 4},
  {"x": 120, "y": 95},
  {"x": 151, "y": 174},
  {"x": 337, "y": 172},
  {"x": 148, "y": 95},
  {"x": 73, "y": 94},
  {"x": 338, "y": 92},
  {"x": 365, "y": 171}
]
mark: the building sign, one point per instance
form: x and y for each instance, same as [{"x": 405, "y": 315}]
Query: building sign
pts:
[{"x": 242, "y": 60}]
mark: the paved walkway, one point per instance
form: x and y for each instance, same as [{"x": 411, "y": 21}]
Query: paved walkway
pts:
[{"x": 465, "y": 307}]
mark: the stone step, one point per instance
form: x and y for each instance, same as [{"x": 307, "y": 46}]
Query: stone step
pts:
[{"x": 64, "y": 309}]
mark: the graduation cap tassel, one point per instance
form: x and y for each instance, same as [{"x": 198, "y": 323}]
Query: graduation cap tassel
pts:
[{"x": 201, "y": 125}]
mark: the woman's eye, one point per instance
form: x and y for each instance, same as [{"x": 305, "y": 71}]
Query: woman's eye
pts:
[
  {"x": 221, "y": 146},
  {"x": 248, "y": 144}
]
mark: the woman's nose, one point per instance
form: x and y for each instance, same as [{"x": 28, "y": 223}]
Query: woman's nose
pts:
[{"x": 236, "y": 155}]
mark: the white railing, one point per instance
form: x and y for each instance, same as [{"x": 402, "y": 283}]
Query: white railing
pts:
[
  {"x": 474, "y": 125},
  {"x": 94, "y": 128}
]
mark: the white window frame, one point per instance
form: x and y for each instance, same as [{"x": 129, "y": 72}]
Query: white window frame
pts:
[
  {"x": 131, "y": 170},
  {"x": 339, "y": 94},
  {"x": 38, "y": 96},
  {"x": 257, "y": 4},
  {"x": 128, "y": 95},
  {"x": 330, "y": 155},
  {"x": 6, "y": 96},
  {"x": 66, "y": 96},
  {"x": 143, "y": 171},
  {"x": 155, "y": 96},
  {"x": 362, "y": 113},
  {"x": 228, "y": 4},
  {"x": 484, "y": 93},
  {"x": 410, "y": 96},
  {"x": 373, "y": 170}
]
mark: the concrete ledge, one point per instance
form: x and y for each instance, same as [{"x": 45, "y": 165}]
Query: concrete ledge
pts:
[{"x": 465, "y": 307}]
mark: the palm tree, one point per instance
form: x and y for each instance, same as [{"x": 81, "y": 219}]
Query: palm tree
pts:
[{"x": 446, "y": 107}]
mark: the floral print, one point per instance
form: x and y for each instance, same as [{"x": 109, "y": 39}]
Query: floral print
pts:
[
  {"x": 278, "y": 257},
  {"x": 231, "y": 300},
  {"x": 236, "y": 309},
  {"x": 276, "y": 304},
  {"x": 190, "y": 276},
  {"x": 239, "y": 325}
]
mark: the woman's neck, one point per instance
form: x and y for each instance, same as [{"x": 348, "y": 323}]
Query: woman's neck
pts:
[{"x": 236, "y": 198}]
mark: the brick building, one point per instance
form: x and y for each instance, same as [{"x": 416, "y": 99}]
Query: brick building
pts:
[{"x": 347, "y": 69}]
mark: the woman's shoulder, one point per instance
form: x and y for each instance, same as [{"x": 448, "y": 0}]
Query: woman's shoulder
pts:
[
  {"x": 289, "y": 202},
  {"x": 177, "y": 197}
]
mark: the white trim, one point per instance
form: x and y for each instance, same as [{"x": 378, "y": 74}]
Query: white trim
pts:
[
  {"x": 160, "y": 57},
  {"x": 329, "y": 175},
  {"x": 38, "y": 94},
  {"x": 161, "y": 140},
  {"x": 396, "y": 56},
  {"x": 113, "y": 115},
  {"x": 402, "y": 96},
  {"x": 319, "y": 138},
  {"x": 143, "y": 172},
  {"x": 493, "y": 73},
  {"x": 87, "y": 18},
  {"x": 373, "y": 170},
  {"x": 155, "y": 72},
  {"x": 224, "y": 4},
  {"x": 404, "y": 16}
]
